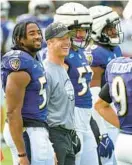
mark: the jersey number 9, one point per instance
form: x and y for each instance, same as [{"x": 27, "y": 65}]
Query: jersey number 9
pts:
[{"x": 119, "y": 94}]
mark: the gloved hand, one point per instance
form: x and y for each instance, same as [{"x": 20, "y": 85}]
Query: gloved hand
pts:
[
  {"x": 105, "y": 147},
  {"x": 76, "y": 143}
]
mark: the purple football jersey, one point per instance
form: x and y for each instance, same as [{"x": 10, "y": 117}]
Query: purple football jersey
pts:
[
  {"x": 34, "y": 106},
  {"x": 102, "y": 56},
  {"x": 80, "y": 74},
  {"x": 119, "y": 78}
]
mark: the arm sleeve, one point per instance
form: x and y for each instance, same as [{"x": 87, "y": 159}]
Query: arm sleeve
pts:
[{"x": 104, "y": 94}]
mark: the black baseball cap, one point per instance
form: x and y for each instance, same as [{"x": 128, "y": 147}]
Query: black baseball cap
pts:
[{"x": 56, "y": 30}]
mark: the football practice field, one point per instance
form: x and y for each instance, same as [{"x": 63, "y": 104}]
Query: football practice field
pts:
[{"x": 7, "y": 156}]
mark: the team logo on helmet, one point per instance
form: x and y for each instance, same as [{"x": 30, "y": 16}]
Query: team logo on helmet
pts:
[{"x": 15, "y": 63}]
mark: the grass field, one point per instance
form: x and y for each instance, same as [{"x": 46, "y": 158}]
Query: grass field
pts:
[{"x": 7, "y": 157}]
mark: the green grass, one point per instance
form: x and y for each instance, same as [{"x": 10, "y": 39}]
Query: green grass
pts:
[{"x": 7, "y": 157}]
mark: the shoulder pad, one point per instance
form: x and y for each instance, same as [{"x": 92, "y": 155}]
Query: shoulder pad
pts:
[{"x": 16, "y": 60}]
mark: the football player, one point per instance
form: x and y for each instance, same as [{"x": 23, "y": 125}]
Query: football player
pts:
[
  {"x": 41, "y": 12},
  {"x": 24, "y": 84},
  {"x": 107, "y": 35},
  {"x": 118, "y": 89}
]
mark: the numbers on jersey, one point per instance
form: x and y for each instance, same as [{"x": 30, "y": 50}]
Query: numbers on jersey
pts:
[
  {"x": 119, "y": 94},
  {"x": 42, "y": 92},
  {"x": 82, "y": 80}
]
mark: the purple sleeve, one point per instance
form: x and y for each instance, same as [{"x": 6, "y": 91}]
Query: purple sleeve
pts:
[
  {"x": 20, "y": 62},
  {"x": 99, "y": 58},
  {"x": 97, "y": 61}
]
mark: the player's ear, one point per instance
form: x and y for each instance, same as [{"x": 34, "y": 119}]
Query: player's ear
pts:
[
  {"x": 21, "y": 41},
  {"x": 49, "y": 42}
]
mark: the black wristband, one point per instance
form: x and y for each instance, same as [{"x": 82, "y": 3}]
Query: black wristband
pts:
[{"x": 22, "y": 155}]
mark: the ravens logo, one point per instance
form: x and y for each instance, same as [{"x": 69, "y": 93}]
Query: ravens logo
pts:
[
  {"x": 15, "y": 63},
  {"x": 89, "y": 57}
]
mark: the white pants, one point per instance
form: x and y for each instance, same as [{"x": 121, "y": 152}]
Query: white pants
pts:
[
  {"x": 111, "y": 130},
  {"x": 42, "y": 152},
  {"x": 123, "y": 149},
  {"x": 88, "y": 153}
]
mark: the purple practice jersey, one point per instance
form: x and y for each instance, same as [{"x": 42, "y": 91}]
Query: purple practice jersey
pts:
[
  {"x": 102, "y": 56},
  {"x": 34, "y": 106},
  {"x": 42, "y": 23},
  {"x": 80, "y": 74},
  {"x": 119, "y": 78}
]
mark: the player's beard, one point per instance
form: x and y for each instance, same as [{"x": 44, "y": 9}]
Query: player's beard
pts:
[{"x": 35, "y": 49}]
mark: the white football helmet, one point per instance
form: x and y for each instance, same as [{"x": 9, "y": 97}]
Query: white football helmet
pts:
[
  {"x": 104, "y": 16},
  {"x": 5, "y": 7},
  {"x": 127, "y": 13},
  {"x": 43, "y": 9},
  {"x": 75, "y": 16}
]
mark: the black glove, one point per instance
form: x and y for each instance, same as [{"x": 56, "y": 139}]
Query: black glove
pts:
[{"x": 76, "y": 143}]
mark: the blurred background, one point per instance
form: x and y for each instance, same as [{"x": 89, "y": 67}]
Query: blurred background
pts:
[{"x": 42, "y": 11}]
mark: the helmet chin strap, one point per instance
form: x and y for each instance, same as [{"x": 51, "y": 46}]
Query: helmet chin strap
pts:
[
  {"x": 80, "y": 44},
  {"x": 114, "y": 41},
  {"x": 111, "y": 42},
  {"x": 107, "y": 40}
]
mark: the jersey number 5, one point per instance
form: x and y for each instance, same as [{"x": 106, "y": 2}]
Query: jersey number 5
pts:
[
  {"x": 119, "y": 94},
  {"x": 42, "y": 92},
  {"x": 82, "y": 80}
]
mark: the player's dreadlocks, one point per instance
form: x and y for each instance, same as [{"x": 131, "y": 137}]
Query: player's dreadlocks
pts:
[{"x": 20, "y": 32}]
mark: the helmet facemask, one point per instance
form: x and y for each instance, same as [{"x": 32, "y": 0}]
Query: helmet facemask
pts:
[
  {"x": 80, "y": 40},
  {"x": 42, "y": 9},
  {"x": 111, "y": 33},
  {"x": 43, "y": 12}
]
